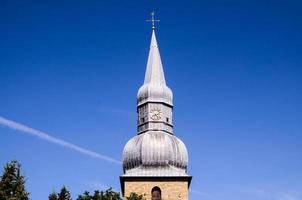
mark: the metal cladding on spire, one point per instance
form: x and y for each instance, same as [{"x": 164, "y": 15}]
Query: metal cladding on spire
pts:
[
  {"x": 154, "y": 72},
  {"x": 154, "y": 88},
  {"x": 155, "y": 151}
]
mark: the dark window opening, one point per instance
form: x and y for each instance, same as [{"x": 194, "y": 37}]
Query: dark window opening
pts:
[
  {"x": 156, "y": 193},
  {"x": 167, "y": 119},
  {"x": 142, "y": 119}
]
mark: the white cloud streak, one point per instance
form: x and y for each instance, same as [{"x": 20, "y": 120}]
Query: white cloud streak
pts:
[
  {"x": 47, "y": 137},
  {"x": 196, "y": 192}
]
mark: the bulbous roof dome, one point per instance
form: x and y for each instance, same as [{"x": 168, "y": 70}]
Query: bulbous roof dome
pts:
[
  {"x": 154, "y": 93},
  {"x": 155, "y": 153}
]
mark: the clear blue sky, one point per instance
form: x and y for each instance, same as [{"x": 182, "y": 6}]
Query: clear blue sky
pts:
[{"x": 72, "y": 69}]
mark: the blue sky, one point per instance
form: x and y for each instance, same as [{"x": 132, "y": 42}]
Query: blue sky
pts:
[{"x": 72, "y": 69}]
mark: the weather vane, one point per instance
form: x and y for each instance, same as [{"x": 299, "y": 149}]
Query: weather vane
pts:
[{"x": 152, "y": 20}]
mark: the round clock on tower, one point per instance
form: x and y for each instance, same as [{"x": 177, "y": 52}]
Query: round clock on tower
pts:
[{"x": 155, "y": 114}]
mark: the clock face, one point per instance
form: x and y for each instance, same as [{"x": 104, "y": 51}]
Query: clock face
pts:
[{"x": 155, "y": 114}]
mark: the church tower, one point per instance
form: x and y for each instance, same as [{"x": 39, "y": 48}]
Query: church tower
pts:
[{"x": 155, "y": 161}]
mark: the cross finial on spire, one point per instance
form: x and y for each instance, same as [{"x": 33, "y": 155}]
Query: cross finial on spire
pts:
[{"x": 152, "y": 20}]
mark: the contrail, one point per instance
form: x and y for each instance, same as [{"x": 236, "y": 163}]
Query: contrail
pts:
[
  {"x": 199, "y": 193},
  {"x": 45, "y": 136}
]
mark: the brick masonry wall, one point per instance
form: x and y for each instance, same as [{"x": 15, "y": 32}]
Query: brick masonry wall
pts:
[{"x": 170, "y": 190}]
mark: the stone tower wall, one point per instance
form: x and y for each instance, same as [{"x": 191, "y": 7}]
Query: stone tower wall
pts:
[{"x": 170, "y": 190}]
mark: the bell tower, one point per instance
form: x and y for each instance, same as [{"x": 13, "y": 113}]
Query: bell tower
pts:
[{"x": 155, "y": 161}]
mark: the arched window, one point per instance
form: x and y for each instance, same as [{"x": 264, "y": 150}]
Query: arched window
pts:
[{"x": 156, "y": 193}]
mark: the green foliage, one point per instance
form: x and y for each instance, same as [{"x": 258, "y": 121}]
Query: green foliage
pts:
[
  {"x": 64, "y": 194},
  {"x": 53, "y": 196},
  {"x": 109, "y": 194},
  {"x": 12, "y": 183},
  {"x": 134, "y": 196},
  {"x": 12, "y": 187}
]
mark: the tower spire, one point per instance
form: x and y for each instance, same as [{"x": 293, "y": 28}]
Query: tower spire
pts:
[
  {"x": 155, "y": 161},
  {"x": 154, "y": 88},
  {"x": 154, "y": 98},
  {"x": 154, "y": 72}
]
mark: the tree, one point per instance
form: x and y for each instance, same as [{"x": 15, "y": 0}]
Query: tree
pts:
[
  {"x": 108, "y": 194},
  {"x": 85, "y": 196},
  {"x": 64, "y": 194},
  {"x": 53, "y": 196},
  {"x": 12, "y": 183},
  {"x": 111, "y": 195},
  {"x": 134, "y": 196}
]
